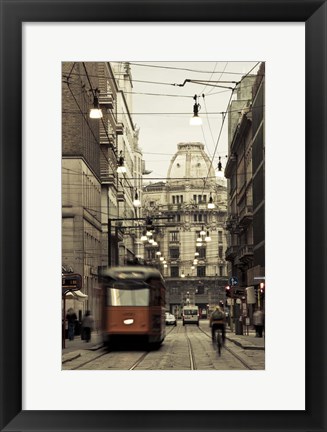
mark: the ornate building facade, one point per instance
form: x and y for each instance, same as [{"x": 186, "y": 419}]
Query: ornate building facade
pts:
[{"x": 188, "y": 213}]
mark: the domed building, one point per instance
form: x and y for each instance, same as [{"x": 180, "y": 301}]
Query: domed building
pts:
[{"x": 188, "y": 213}]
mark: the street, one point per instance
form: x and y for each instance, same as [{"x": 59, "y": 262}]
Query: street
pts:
[{"x": 185, "y": 348}]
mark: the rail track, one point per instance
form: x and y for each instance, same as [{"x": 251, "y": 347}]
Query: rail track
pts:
[
  {"x": 108, "y": 351},
  {"x": 244, "y": 363},
  {"x": 190, "y": 350}
]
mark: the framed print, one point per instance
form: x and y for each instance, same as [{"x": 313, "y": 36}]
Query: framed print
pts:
[{"x": 36, "y": 40}]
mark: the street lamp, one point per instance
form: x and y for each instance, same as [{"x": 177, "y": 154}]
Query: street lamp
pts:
[
  {"x": 121, "y": 163},
  {"x": 136, "y": 202},
  {"x": 219, "y": 168},
  {"x": 211, "y": 204},
  {"x": 144, "y": 238},
  {"x": 208, "y": 238},
  {"x": 196, "y": 120},
  {"x": 96, "y": 112}
]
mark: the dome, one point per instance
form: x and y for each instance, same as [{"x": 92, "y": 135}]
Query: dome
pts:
[{"x": 190, "y": 164}]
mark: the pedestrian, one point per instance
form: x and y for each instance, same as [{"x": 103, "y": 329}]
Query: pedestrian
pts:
[
  {"x": 71, "y": 317},
  {"x": 87, "y": 325},
  {"x": 258, "y": 322},
  {"x": 217, "y": 321}
]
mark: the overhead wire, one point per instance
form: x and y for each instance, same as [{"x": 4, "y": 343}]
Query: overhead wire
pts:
[
  {"x": 210, "y": 91},
  {"x": 177, "y": 68},
  {"x": 218, "y": 139}
]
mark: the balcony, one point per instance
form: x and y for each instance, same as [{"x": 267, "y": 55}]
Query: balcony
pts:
[
  {"x": 107, "y": 178},
  {"x": 119, "y": 128},
  {"x": 174, "y": 242},
  {"x": 231, "y": 253},
  {"x": 245, "y": 253},
  {"x": 106, "y": 139},
  {"x": 120, "y": 196},
  {"x": 246, "y": 216},
  {"x": 231, "y": 223},
  {"x": 106, "y": 100}
]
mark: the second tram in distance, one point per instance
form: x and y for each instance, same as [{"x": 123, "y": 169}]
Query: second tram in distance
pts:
[{"x": 134, "y": 305}]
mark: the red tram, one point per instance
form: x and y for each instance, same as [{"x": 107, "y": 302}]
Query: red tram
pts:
[{"x": 134, "y": 305}]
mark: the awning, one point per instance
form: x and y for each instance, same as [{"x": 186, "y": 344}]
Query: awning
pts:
[{"x": 78, "y": 295}]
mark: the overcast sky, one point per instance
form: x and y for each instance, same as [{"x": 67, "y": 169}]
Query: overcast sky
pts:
[{"x": 162, "y": 111}]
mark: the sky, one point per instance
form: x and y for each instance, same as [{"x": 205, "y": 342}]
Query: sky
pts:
[{"x": 162, "y": 110}]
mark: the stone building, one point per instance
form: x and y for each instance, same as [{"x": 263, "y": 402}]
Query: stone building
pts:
[
  {"x": 245, "y": 171},
  {"x": 95, "y": 197},
  {"x": 185, "y": 229}
]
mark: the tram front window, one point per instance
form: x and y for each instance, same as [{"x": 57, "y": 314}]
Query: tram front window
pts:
[{"x": 128, "y": 295}]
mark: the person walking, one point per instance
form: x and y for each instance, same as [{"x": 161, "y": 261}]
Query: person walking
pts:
[
  {"x": 258, "y": 322},
  {"x": 71, "y": 317},
  {"x": 87, "y": 325},
  {"x": 217, "y": 321}
]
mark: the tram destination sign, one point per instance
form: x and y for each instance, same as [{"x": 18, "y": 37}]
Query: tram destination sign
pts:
[{"x": 71, "y": 281}]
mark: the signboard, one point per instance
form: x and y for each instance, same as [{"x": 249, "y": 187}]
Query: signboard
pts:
[
  {"x": 71, "y": 281},
  {"x": 233, "y": 281},
  {"x": 250, "y": 295}
]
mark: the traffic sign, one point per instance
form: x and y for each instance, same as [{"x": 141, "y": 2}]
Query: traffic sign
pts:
[
  {"x": 71, "y": 281},
  {"x": 233, "y": 280}
]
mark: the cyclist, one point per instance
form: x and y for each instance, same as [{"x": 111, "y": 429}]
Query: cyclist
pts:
[{"x": 217, "y": 321}]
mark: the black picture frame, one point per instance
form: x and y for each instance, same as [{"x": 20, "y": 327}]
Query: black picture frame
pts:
[{"x": 13, "y": 14}]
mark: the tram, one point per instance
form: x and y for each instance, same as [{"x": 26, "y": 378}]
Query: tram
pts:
[{"x": 133, "y": 305}]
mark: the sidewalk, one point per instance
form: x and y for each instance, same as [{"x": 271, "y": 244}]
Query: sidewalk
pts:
[
  {"x": 75, "y": 348},
  {"x": 249, "y": 341}
]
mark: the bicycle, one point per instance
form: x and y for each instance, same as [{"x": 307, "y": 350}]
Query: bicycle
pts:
[{"x": 219, "y": 340}]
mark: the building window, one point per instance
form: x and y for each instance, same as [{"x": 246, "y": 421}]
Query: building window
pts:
[
  {"x": 174, "y": 218},
  {"x": 174, "y": 253},
  {"x": 221, "y": 271},
  {"x": 173, "y": 197},
  {"x": 195, "y": 217},
  {"x": 220, "y": 236},
  {"x": 181, "y": 198},
  {"x": 202, "y": 252},
  {"x": 194, "y": 198},
  {"x": 150, "y": 254},
  {"x": 174, "y": 271},
  {"x": 174, "y": 236},
  {"x": 220, "y": 252},
  {"x": 201, "y": 271},
  {"x": 199, "y": 290}
]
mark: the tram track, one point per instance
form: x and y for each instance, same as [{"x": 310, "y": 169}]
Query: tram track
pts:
[
  {"x": 190, "y": 351},
  {"x": 142, "y": 357},
  {"x": 134, "y": 365},
  {"x": 244, "y": 363},
  {"x": 89, "y": 361}
]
